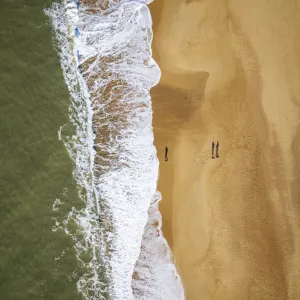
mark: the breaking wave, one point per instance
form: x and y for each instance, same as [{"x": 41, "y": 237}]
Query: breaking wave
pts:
[{"x": 105, "y": 53}]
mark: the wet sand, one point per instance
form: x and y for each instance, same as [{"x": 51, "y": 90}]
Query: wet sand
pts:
[{"x": 230, "y": 72}]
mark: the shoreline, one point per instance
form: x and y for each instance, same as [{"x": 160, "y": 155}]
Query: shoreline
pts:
[{"x": 229, "y": 218}]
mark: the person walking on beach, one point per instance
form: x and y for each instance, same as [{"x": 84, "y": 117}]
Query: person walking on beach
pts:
[
  {"x": 212, "y": 149},
  {"x": 217, "y": 149},
  {"x": 166, "y": 153}
]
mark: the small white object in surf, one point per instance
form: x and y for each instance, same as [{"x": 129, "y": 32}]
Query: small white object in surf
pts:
[{"x": 56, "y": 204}]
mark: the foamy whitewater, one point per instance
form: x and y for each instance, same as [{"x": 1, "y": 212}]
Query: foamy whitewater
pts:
[{"x": 105, "y": 52}]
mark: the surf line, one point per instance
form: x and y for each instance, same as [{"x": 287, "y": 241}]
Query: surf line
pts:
[
  {"x": 76, "y": 52},
  {"x": 77, "y": 32}
]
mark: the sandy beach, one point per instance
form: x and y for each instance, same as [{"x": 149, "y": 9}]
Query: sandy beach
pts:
[{"x": 230, "y": 73}]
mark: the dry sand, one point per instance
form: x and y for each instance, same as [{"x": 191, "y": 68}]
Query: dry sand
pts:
[{"x": 230, "y": 72}]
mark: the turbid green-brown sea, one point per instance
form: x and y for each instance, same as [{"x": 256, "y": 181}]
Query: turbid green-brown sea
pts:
[{"x": 35, "y": 168}]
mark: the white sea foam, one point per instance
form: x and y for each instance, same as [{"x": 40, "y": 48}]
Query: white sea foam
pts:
[
  {"x": 107, "y": 63},
  {"x": 56, "y": 204}
]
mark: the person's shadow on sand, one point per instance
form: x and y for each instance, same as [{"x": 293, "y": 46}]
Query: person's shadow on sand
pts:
[
  {"x": 166, "y": 153},
  {"x": 213, "y": 148}
]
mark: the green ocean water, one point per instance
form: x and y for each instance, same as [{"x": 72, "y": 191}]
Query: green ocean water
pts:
[{"x": 35, "y": 168}]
